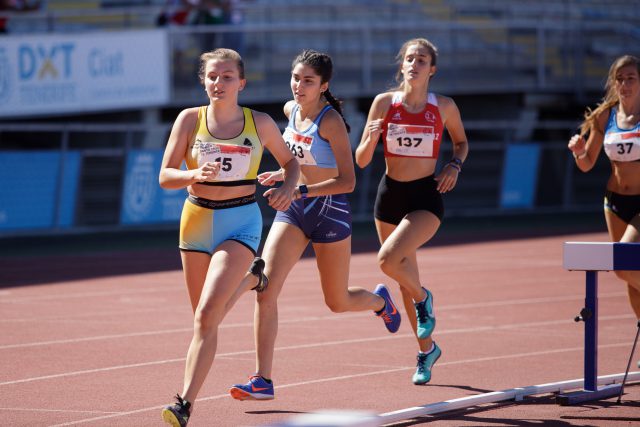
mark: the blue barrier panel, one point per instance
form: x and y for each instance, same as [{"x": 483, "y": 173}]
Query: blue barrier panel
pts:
[
  {"x": 592, "y": 257},
  {"x": 143, "y": 201},
  {"x": 520, "y": 176},
  {"x": 29, "y": 187},
  {"x": 69, "y": 189}
]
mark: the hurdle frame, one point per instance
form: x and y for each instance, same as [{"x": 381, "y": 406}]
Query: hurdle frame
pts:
[{"x": 592, "y": 257}]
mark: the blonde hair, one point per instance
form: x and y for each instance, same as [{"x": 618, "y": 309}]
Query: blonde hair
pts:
[
  {"x": 433, "y": 52},
  {"x": 222, "y": 55},
  {"x": 611, "y": 96}
]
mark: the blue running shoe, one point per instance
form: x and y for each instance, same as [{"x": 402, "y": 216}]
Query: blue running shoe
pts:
[
  {"x": 256, "y": 389},
  {"x": 389, "y": 313},
  {"x": 425, "y": 316},
  {"x": 177, "y": 415},
  {"x": 425, "y": 363}
]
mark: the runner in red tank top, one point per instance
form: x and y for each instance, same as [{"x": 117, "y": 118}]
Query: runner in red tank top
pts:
[{"x": 409, "y": 207}]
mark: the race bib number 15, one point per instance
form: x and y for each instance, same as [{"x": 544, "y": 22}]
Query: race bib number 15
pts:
[{"x": 234, "y": 160}]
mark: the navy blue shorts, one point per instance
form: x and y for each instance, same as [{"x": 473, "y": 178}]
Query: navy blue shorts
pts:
[{"x": 323, "y": 219}]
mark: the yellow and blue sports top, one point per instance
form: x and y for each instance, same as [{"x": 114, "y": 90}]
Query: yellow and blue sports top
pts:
[{"x": 239, "y": 157}]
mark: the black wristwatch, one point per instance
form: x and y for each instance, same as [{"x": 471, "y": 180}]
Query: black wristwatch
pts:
[{"x": 303, "y": 191}]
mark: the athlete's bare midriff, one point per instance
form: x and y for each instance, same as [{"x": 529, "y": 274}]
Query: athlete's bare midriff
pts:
[
  {"x": 409, "y": 169},
  {"x": 221, "y": 193},
  {"x": 314, "y": 174},
  {"x": 625, "y": 178}
]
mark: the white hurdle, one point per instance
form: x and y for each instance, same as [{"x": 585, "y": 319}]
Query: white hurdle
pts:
[
  {"x": 336, "y": 418},
  {"x": 592, "y": 257}
]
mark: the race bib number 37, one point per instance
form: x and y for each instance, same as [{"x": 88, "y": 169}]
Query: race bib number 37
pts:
[
  {"x": 410, "y": 140},
  {"x": 234, "y": 159},
  {"x": 623, "y": 146}
]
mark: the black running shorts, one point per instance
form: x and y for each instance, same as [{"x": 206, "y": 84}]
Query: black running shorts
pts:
[{"x": 396, "y": 199}]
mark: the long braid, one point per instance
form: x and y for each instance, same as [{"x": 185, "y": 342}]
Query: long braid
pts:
[{"x": 337, "y": 105}]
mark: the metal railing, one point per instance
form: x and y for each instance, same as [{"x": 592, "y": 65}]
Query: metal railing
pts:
[
  {"x": 561, "y": 186},
  {"x": 479, "y": 56}
]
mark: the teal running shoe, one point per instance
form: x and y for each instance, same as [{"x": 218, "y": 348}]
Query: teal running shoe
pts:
[
  {"x": 389, "y": 313},
  {"x": 425, "y": 363},
  {"x": 425, "y": 316},
  {"x": 177, "y": 415},
  {"x": 256, "y": 389}
]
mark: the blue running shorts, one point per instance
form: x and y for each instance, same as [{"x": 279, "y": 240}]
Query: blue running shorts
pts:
[
  {"x": 323, "y": 219},
  {"x": 205, "y": 223}
]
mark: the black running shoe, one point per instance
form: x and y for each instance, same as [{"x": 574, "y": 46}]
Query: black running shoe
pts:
[
  {"x": 177, "y": 414},
  {"x": 257, "y": 269}
]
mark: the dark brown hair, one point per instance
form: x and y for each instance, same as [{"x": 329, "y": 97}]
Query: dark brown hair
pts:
[{"x": 323, "y": 66}]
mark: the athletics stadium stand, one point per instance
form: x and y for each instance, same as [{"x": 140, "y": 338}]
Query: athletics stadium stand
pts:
[{"x": 521, "y": 73}]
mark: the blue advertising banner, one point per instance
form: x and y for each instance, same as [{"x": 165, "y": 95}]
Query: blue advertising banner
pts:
[
  {"x": 29, "y": 200},
  {"x": 143, "y": 201},
  {"x": 68, "y": 73},
  {"x": 520, "y": 176}
]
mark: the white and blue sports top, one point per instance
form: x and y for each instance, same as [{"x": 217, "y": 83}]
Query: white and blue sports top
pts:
[
  {"x": 621, "y": 145},
  {"x": 307, "y": 146}
]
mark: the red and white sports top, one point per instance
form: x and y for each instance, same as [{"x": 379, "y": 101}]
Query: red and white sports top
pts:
[{"x": 407, "y": 134}]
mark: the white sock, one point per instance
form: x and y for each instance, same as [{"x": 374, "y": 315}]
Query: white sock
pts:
[
  {"x": 425, "y": 298},
  {"x": 433, "y": 346}
]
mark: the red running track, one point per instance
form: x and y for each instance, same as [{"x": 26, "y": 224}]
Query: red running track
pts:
[{"x": 110, "y": 351}]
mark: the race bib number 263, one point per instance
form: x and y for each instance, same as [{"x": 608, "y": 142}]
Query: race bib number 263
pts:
[{"x": 300, "y": 146}]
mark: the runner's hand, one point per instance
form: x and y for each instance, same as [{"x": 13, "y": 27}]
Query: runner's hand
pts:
[
  {"x": 375, "y": 129},
  {"x": 279, "y": 198},
  {"x": 270, "y": 178},
  {"x": 447, "y": 178},
  {"x": 577, "y": 144},
  {"x": 207, "y": 172}
]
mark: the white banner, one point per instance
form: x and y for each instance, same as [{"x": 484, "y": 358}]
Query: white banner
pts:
[{"x": 71, "y": 73}]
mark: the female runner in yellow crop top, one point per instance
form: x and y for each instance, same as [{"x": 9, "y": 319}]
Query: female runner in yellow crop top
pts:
[{"x": 221, "y": 223}]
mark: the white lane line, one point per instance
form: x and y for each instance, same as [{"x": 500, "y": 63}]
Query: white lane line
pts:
[
  {"x": 311, "y": 319},
  {"x": 348, "y": 377},
  {"x": 171, "y": 331},
  {"x": 301, "y": 346},
  {"x": 120, "y": 292},
  {"x": 134, "y": 310},
  {"x": 58, "y": 410}
]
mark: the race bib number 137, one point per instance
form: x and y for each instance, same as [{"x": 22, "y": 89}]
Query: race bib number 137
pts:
[{"x": 410, "y": 140}]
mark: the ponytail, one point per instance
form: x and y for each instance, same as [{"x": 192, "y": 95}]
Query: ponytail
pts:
[{"x": 337, "y": 105}]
